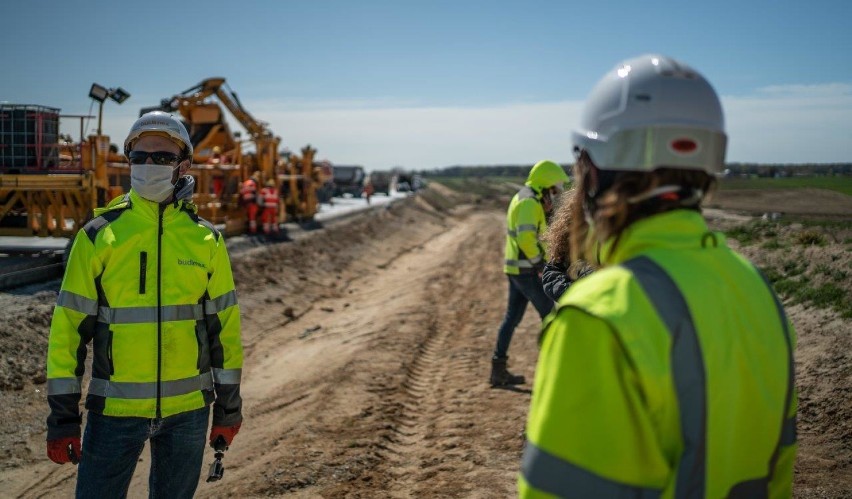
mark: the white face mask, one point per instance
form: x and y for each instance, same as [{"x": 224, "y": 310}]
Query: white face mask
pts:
[{"x": 152, "y": 182}]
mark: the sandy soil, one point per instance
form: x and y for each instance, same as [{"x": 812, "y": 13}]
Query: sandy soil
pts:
[{"x": 367, "y": 354}]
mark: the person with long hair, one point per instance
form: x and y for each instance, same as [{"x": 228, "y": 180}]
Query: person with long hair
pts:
[
  {"x": 559, "y": 272},
  {"x": 669, "y": 371}
]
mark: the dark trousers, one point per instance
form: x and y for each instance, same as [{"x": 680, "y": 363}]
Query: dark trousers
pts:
[
  {"x": 112, "y": 445},
  {"x": 523, "y": 288}
]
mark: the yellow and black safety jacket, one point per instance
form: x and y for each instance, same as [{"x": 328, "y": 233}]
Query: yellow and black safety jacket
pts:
[
  {"x": 150, "y": 287},
  {"x": 525, "y": 221},
  {"x": 667, "y": 374}
]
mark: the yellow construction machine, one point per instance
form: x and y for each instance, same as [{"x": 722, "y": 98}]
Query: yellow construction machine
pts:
[
  {"x": 293, "y": 175},
  {"x": 54, "y": 193}
]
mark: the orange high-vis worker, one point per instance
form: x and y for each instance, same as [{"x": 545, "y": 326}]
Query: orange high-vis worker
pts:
[
  {"x": 269, "y": 198},
  {"x": 248, "y": 198}
]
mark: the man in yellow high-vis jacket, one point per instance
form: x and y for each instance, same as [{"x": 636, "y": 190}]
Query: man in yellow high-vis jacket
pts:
[
  {"x": 669, "y": 372},
  {"x": 525, "y": 256},
  {"x": 149, "y": 286}
]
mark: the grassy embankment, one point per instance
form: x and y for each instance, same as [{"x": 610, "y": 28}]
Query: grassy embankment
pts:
[{"x": 838, "y": 183}]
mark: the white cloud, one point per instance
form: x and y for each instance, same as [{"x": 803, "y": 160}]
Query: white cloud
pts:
[
  {"x": 784, "y": 124},
  {"x": 427, "y": 137},
  {"x": 791, "y": 124}
]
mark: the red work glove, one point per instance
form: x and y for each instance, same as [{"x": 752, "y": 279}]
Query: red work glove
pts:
[
  {"x": 64, "y": 450},
  {"x": 226, "y": 432}
]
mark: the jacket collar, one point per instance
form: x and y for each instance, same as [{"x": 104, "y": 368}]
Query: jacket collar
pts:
[
  {"x": 677, "y": 229},
  {"x": 151, "y": 209}
]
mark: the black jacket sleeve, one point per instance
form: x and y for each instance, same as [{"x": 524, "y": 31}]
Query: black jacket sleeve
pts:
[{"x": 555, "y": 280}]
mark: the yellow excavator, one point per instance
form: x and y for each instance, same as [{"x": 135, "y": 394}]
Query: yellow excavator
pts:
[{"x": 222, "y": 164}]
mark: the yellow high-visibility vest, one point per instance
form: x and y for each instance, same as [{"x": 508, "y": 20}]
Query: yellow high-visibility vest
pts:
[
  {"x": 151, "y": 288},
  {"x": 668, "y": 373}
]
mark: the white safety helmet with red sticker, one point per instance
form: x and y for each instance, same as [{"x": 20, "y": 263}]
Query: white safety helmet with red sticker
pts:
[
  {"x": 160, "y": 123},
  {"x": 651, "y": 112}
]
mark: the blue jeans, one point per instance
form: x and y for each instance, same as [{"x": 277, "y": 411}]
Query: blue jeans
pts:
[
  {"x": 112, "y": 446},
  {"x": 523, "y": 288}
]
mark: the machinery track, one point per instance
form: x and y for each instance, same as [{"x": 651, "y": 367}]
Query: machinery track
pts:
[{"x": 16, "y": 271}]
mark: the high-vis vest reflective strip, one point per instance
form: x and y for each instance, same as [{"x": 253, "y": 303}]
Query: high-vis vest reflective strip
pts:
[
  {"x": 135, "y": 315},
  {"x": 61, "y": 386},
  {"x": 549, "y": 473},
  {"x": 249, "y": 190},
  {"x": 525, "y": 264},
  {"x": 522, "y": 228},
  {"x": 553, "y": 475},
  {"x": 129, "y": 390},
  {"x": 270, "y": 197},
  {"x": 687, "y": 370}
]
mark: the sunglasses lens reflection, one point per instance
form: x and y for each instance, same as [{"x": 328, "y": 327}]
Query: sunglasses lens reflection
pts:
[{"x": 158, "y": 157}]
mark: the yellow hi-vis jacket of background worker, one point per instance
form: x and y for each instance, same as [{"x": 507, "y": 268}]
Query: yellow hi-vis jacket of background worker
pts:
[
  {"x": 151, "y": 288},
  {"x": 526, "y": 221},
  {"x": 667, "y": 374}
]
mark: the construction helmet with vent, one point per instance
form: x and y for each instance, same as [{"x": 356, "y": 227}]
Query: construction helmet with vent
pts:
[
  {"x": 547, "y": 174},
  {"x": 650, "y": 112},
  {"x": 160, "y": 123}
]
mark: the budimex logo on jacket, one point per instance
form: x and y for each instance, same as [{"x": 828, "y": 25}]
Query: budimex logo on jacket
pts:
[{"x": 189, "y": 261}]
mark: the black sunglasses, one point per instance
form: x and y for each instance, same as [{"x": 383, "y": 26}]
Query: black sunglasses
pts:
[{"x": 158, "y": 157}]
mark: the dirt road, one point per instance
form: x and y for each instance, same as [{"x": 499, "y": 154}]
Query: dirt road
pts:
[{"x": 367, "y": 353}]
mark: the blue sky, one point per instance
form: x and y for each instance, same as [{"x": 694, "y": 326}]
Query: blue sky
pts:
[{"x": 438, "y": 83}]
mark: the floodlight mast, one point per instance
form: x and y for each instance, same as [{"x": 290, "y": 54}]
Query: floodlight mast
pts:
[{"x": 100, "y": 94}]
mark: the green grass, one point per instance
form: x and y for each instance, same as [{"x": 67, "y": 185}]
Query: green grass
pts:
[
  {"x": 750, "y": 233},
  {"x": 841, "y": 184}
]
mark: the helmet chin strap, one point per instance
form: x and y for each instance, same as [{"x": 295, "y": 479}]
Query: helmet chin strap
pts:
[{"x": 687, "y": 196}]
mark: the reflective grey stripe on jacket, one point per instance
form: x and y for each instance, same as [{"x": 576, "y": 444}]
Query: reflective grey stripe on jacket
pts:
[
  {"x": 140, "y": 315},
  {"x": 64, "y": 386},
  {"x": 525, "y": 264},
  {"x": 148, "y": 390},
  {"x": 220, "y": 303},
  {"x": 522, "y": 228},
  {"x": 227, "y": 376},
  {"x": 78, "y": 303},
  {"x": 687, "y": 363},
  {"x": 554, "y": 475}
]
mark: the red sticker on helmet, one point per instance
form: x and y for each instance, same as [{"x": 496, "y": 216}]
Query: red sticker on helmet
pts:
[{"x": 684, "y": 146}]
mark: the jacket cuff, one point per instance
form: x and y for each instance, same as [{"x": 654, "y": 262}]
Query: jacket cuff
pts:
[
  {"x": 227, "y": 409},
  {"x": 57, "y": 432}
]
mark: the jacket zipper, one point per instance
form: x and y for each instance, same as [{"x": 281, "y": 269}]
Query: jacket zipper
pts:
[{"x": 159, "y": 308}]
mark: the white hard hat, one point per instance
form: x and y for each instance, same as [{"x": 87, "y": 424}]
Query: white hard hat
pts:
[
  {"x": 160, "y": 123},
  {"x": 650, "y": 112}
]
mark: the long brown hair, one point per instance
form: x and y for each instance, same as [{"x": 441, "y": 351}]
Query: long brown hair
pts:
[
  {"x": 557, "y": 237},
  {"x": 613, "y": 212}
]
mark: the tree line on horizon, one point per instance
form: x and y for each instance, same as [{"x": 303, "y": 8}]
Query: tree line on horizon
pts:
[{"x": 732, "y": 169}]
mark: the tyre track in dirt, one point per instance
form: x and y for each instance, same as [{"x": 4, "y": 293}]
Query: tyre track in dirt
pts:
[
  {"x": 432, "y": 411},
  {"x": 394, "y": 410}
]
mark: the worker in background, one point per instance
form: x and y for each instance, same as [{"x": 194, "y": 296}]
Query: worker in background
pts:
[
  {"x": 525, "y": 256},
  {"x": 368, "y": 190},
  {"x": 559, "y": 272},
  {"x": 249, "y": 199},
  {"x": 148, "y": 286},
  {"x": 269, "y": 198},
  {"x": 669, "y": 371},
  {"x": 215, "y": 160}
]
